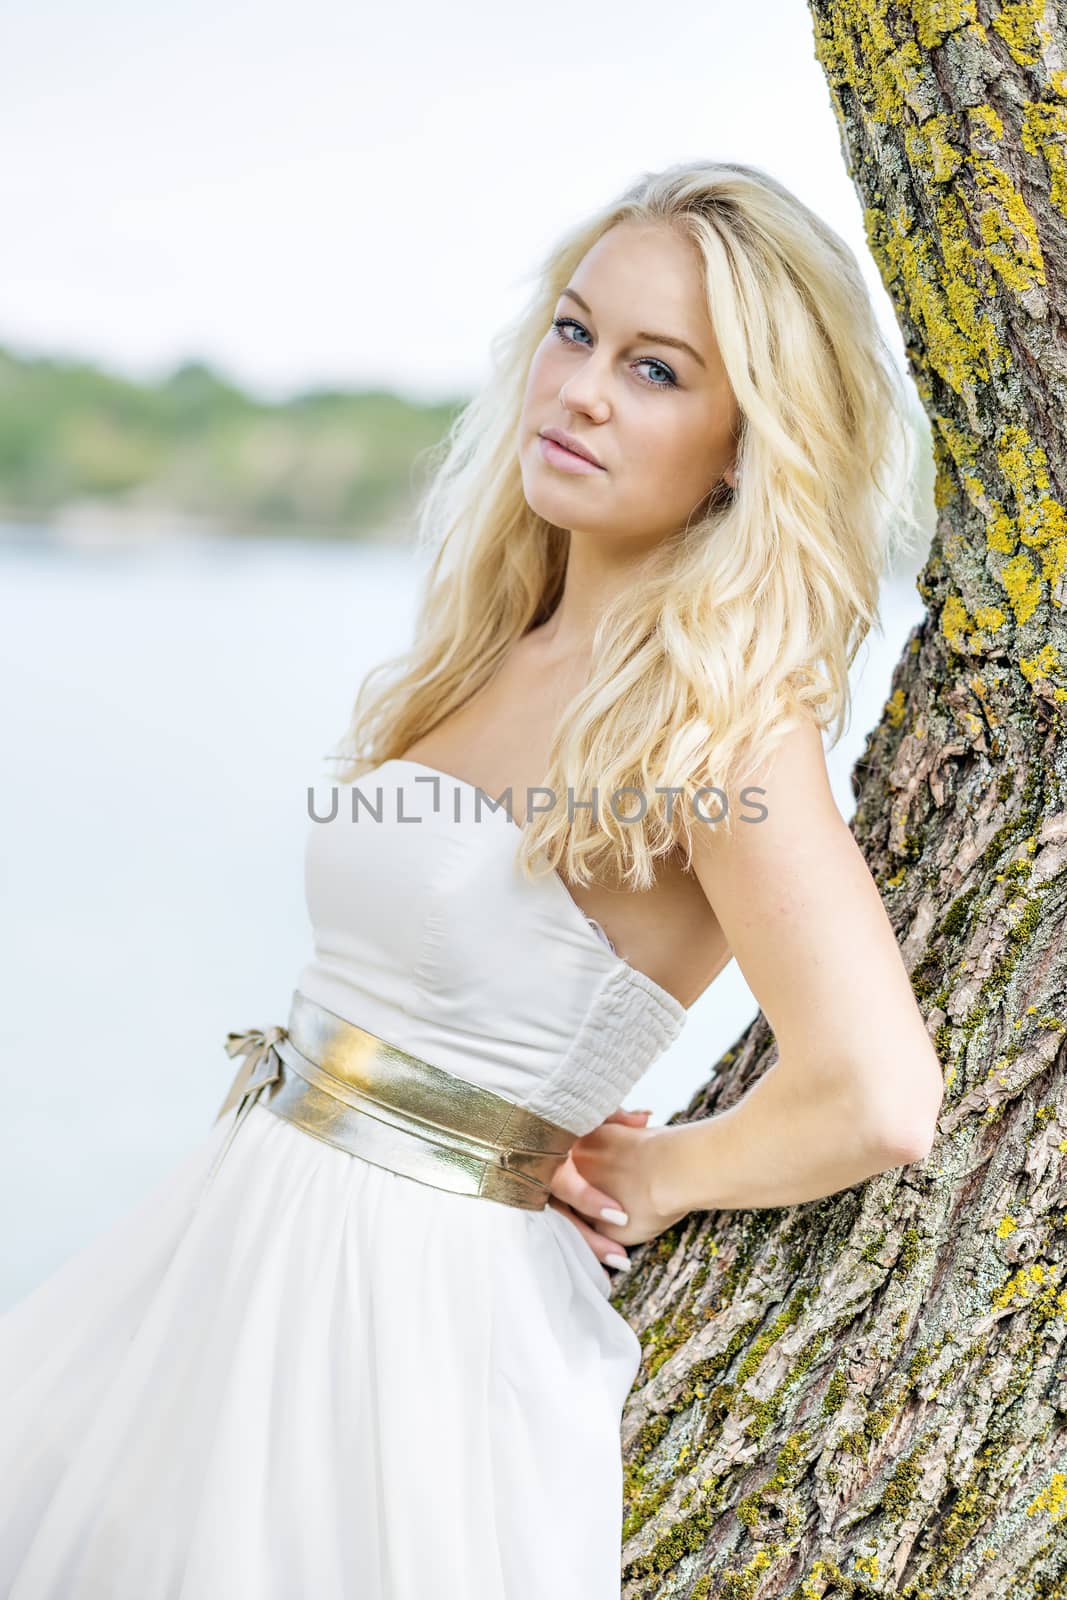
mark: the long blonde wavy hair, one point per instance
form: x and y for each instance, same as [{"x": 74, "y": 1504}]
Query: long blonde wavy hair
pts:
[{"x": 742, "y": 621}]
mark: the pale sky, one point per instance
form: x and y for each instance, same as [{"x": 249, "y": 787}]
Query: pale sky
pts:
[{"x": 320, "y": 193}]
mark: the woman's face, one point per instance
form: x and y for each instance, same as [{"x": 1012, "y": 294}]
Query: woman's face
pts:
[{"x": 659, "y": 419}]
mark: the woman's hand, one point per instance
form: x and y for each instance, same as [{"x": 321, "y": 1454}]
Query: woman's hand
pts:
[{"x": 600, "y": 1172}]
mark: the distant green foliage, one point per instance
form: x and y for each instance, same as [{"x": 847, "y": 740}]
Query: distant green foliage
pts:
[
  {"x": 329, "y": 463},
  {"x": 325, "y": 462}
]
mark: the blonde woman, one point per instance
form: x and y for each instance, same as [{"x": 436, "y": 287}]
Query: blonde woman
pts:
[{"x": 360, "y": 1344}]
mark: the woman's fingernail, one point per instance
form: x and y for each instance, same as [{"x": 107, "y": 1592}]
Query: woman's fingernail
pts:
[
  {"x": 622, "y": 1262},
  {"x": 611, "y": 1214}
]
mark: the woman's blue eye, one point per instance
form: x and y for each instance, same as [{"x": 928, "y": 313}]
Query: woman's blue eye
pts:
[{"x": 558, "y": 325}]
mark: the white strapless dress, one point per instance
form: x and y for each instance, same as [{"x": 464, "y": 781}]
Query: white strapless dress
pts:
[{"x": 318, "y": 1379}]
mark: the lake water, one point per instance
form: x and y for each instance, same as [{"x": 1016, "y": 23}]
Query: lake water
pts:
[{"x": 164, "y": 709}]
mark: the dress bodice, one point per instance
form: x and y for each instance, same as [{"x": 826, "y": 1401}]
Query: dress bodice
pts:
[{"x": 427, "y": 934}]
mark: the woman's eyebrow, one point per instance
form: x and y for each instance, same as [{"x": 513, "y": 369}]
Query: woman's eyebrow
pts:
[{"x": 654, "y": 338}]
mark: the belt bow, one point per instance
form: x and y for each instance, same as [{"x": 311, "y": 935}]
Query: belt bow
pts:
[
  {"x": 264, "y": 1064},
  {"x": 263, "y": 1067}
]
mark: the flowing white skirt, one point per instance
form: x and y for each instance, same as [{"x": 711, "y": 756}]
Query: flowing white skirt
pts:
[{"x": 325, "y": 1381}]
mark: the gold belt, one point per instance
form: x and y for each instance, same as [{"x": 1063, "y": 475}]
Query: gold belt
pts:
[{"x": 351, "y": 1089}]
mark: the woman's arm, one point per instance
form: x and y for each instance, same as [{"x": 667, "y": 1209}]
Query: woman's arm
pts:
[
  {"x": 782, "y": 1143},
  {"x": 857, "y": 1085}
]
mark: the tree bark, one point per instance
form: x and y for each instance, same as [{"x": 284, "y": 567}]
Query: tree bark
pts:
[{"x": 867, "y": 1395}]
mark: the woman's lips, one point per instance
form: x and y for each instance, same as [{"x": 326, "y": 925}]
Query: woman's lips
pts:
[{"x": 565, "y": 460}]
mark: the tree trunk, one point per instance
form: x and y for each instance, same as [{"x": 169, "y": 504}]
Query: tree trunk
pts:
[{"x": 867, "y": 1395}]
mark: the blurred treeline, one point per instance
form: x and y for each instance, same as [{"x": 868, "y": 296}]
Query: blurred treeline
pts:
[
  {"x": 80, "y": 444},
  {"x": 323, "y": 463}
]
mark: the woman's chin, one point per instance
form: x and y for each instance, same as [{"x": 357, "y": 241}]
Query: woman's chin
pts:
[{"x": 555, "y": 499}]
